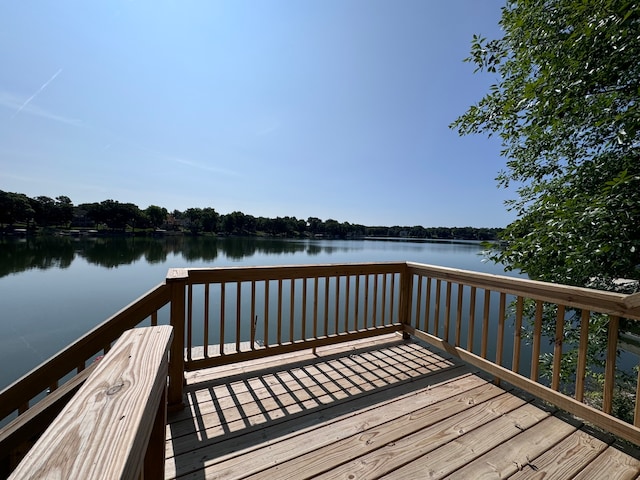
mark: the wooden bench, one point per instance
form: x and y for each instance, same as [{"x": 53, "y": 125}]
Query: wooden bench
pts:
[{"x": 114, "y": 426}]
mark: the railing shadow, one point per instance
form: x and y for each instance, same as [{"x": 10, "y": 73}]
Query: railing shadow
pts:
[{"x": 245, "y": 411}]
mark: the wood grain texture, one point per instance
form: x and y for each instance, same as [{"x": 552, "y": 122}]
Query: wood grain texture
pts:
[{"x": 104, "y": 430}]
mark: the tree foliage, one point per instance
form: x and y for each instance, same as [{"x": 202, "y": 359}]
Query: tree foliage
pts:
[{"x": 565, "y": 105}]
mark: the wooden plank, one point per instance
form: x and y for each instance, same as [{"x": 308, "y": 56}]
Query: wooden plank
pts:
[
  {"x": 35, "y": 420},
  {"x": 449, "y": 457},
  {"x": 611, "y": 464},
  {"x": 510, "y": 457},
  {"x": 115, "y": 407},
  {"x": 378, "y": 412},
  {"x": 447, "y": 421},
  {"x": 563, "y": 461},
  {"x": 234, "y": 453},
  {"x": 590, "y": 414},
  {"x": 326, "y": 381}
]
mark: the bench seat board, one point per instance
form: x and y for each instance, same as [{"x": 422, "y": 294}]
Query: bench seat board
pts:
[{"x": 103, "y": 432}]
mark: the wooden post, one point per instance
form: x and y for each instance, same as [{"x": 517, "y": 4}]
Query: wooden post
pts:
[{"x": 177, "y": 280}]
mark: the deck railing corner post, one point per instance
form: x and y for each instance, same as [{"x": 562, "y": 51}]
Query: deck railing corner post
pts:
[{"x": 177, "y": 281}]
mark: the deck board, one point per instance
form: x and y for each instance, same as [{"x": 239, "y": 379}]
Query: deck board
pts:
[{"x": 374, "y": 408}]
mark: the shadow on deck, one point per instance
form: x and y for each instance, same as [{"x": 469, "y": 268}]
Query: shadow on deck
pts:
[{"x": 375, "y": 408}]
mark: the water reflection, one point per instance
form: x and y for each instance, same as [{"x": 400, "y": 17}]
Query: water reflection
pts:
[{"x": 19, "y": 255}]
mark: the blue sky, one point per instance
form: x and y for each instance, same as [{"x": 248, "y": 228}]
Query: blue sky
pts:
[{"x": 330, "y": 108}]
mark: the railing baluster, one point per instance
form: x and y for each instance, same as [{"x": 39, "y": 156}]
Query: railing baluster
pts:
[
  {"x": 459, "y": 314},
  {"x": 582, "y": 354},
  {"x": 535, "y": 350},
  {"x": 357, "y": 303},
  {"x": 347, "y": 300},
  {"x": 303, "y": 330},
  {"x": 337, "y": 306},
  {"x": 326, "y": 306},
  {"x": 254, "y": 319},
  {"x": 292, "y": 294},
  {"x": 485, "y": 323},
  {"x": 266, "y": 313},
  {"x": 436, "y": 314},
  {"x": 418, "y": 302},
  {"x": 375, "y": 300},
  {"x": 222, "y": 314},
  {"x": 190, "y": 322},
  {"x": 315, "y": 307},
  {"x": 205, "y": 333},
  {"x": 517, "y": 335},
  {"x": 279, "y": 318},
  {"x": 427, "y": 305},
  {"x": 610, "y": 365},
  {"x": 384, "y": 299},
  {"x": 557, "y": 348},
  {"x": 238, "y": 313},
  {"x": 636, "y": 410},
  {"x": 447, "y": 312},
  {"x": 366, "y": 302},
  {"x": 393, "y": 294},
  {"x": 501, "y": 319},
  {"x": 472, "y": 318},
  {"x": 154, "y": 319}
]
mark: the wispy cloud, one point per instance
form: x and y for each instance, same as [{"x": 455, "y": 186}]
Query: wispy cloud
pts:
[
  {"x": 12, "y": 101},
  {"x": 208, "y": 168},
  {"x": 42, "y": 87}
]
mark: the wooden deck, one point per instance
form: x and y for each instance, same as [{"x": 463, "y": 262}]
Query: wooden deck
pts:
[{"x": 376, "y": 408}]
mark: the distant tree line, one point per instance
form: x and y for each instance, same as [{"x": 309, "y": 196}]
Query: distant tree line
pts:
[{"x": 43, "y": 212}]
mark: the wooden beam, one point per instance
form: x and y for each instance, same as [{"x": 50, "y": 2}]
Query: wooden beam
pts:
[{"x": 105, "y": 430}]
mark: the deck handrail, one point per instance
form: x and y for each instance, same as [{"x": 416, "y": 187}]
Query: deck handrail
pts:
[
  {"x": 48, "y": 374},
  {"x": 123, "y": 405},
  {"x": 252, "y": 312}
]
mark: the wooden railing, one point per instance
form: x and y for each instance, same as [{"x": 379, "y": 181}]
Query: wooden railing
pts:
[
  {"x": 236, "y": 314},
  {"x": 225, "y": 315},
  {"x": 123, "y": 404},
  {"x": 465, "y": 312},
  {"x": 36, "y": 398}
]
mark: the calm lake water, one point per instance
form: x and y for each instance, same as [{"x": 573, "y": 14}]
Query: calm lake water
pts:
[{"x": 55, "y": 289}]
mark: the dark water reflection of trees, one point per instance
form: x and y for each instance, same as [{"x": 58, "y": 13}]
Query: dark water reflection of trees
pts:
[{"x": 17, "y": 255}]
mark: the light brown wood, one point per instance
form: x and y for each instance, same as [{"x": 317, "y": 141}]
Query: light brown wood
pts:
[
  {"x": 537, "y": 336},
  {"x": 611, "y": 464},
  {"x": 581, "y": 368},
  {"x": 557, "y": 348},
  {"x": 116, "y": 407},
  {"x": 563, "y": 461},
  {"x": 589, "y": 414},
  {"x": 510, "y": 457},
  {"x": 591, "y": 299},
  {"x": 610, "y": 365},
  {"x": 517, "y": 335}
]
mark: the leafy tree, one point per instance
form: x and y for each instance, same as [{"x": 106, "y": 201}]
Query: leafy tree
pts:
[
  {"x": 15, "y": 207},
  {"x": 565, "y": 105},
  {"x": 156, "y": 215}
]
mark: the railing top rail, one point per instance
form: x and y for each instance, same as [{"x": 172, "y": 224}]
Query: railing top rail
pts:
[
  {"x": 578, "y": 297},
  {"x": 278, "y": 272}
]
